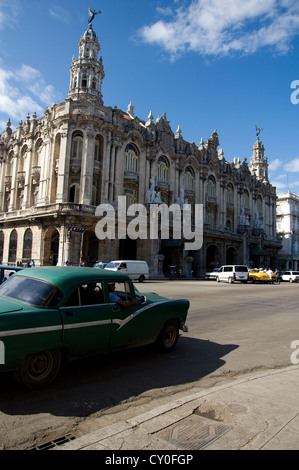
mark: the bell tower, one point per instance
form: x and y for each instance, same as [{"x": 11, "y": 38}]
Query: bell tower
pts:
[
  {"x": 258, "y": 162},
  {"x": 87, "y": 72}
]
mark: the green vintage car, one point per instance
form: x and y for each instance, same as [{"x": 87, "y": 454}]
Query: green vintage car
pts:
[{"x": 51, "y": 313}]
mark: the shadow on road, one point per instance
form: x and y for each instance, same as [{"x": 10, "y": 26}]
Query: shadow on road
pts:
[{"x": 90, "y": 385}]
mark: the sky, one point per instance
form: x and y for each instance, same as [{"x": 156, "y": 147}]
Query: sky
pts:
[{"x": 229, "y": 65}]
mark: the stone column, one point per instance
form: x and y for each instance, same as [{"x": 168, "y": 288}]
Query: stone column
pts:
[
  {"x": 106, "y": 169},
  {"x": 63, "y": 168},
  {"x": 87, "y": 168}
]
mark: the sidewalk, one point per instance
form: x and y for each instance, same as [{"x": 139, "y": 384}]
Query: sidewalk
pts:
[{"x": 257, "y": 411}]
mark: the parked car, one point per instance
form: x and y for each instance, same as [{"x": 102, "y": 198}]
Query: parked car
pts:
[
  {"x": 7, "y": 271},
  {"x": 290, "y": 276},
  {"x": 257, "y": 275},
  {"x": 100, "y": 265},
  {"x": 50, "y": 313},
  {"x": 231, "y": 273},
  {"x": 134, "y": 269},
  {"x": 212, "y": 274}
]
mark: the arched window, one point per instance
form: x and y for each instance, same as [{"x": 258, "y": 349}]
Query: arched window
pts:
[
  {"x": 260, "y": 206},
  {"x": 131, "y": 158},
  {"x": 163, "y": 170},
  {"x": 21, "y": 164},
  {"x": 37, "y": 153},
  {"x": 9, "y": 164},
  {"x": 13, "y": 241},
  {"x": 77, "y": 145},
  {"x": 211, "y": 217},
  {"x": 211, "y": 187},
  {"x": 84, "y": 81},
  {"x": 27, "y": 244},
  {"x": 230, "y": 194},
  {"x": 131, "y": 196},
  {"x": 189, "y": 179},
  {"x": 74, "y": 190},
  {"x": 98, "y": 148},
  {"x": 245, "y": 199}
]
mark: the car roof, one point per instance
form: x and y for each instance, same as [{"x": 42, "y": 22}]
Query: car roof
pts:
[
  {"x": 15, "y": 268},
  {"x": 66, "y": 277}
]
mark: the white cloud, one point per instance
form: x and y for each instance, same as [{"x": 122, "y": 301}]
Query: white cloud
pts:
[
  {"x": 275, "y": 164},
  {"x": 217, "y": 27},
  {"x": 23, "y": 91},
  {"x": 279, "y": 185},
  {"x": 60, "y": 13},
  {"x": 10, "y": 12},
  {"x": 292, "y": 166}
]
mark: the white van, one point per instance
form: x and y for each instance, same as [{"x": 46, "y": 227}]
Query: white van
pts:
[
  {"x": 134, "y": 269},
  {"x": 231, "y": 273}
]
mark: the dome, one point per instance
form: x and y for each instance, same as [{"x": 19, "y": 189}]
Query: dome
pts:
[{"x": 89, "y": 33}]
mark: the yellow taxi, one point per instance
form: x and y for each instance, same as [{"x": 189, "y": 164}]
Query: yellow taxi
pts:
[{"x": 258, "y": 275}]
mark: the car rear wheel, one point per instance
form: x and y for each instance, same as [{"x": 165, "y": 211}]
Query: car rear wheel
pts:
[
  {"x": 141, "y": 278},
  {"x": 168, "y": 337},
  {"x": 38, "y": 369}
]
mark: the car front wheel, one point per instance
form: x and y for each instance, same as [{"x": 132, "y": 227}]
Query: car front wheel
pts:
[
  {"x": 38, "y": 369},
  {"x": 168, "y": 337}
]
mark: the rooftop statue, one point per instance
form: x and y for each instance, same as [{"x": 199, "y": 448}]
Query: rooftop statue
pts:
[
  {"x": 92, "y": 14},
  {"x": 258, "y": 131}
]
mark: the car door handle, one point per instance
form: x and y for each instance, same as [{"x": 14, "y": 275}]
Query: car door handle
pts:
[{"x": 69, "y": 313}]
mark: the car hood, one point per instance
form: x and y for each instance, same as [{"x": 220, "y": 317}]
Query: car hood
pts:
[
  {"x": 152, "y": 297},
  {"x": 9, "y": 305}
]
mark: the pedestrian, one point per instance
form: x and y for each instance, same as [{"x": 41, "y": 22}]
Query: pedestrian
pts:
[{"x": 270, "y": 274}]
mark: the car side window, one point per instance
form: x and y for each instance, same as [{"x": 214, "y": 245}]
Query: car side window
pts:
[
  {"x": 119, "y": 290},
  {"x": 86, "y": 294}
]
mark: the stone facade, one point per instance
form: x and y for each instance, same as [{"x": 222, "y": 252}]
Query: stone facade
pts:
[
  {"x": 57, "y": 169},
  {"x": 288, "y": 229}
]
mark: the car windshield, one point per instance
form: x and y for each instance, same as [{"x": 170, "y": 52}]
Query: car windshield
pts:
[
  {"x": 112, "y": 265},
  {"x": 31, "y": 291}
]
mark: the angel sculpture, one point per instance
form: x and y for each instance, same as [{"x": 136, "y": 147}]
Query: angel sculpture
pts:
[{"x": 92, "y": 14}]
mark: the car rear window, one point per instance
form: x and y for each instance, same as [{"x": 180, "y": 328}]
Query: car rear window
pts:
[
  {"x": 241, "y": 269},
  {"x": 31, "y": 291}
]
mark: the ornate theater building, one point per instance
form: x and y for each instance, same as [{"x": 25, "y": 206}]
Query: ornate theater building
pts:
[{"x": 57, "y": 169}]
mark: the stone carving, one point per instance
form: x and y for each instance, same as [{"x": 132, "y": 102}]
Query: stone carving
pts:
[
  {"x": 152, "y": 195},
  {"x": 244, "y": 219},
  {"x": 181, "y": 200}
]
